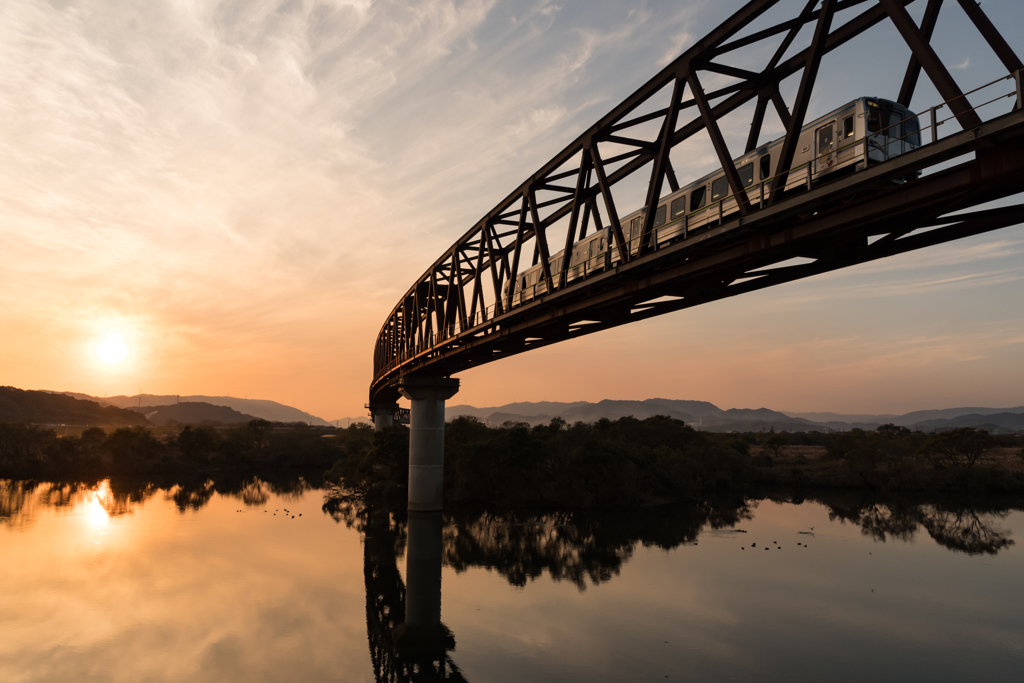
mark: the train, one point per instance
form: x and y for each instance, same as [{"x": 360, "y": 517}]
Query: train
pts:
[{"x": 849, "y": 139}]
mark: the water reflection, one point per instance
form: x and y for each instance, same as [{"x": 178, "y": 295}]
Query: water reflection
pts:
[
  {"x": 408, "y": 641},
  {"x": 407, "y": 637},
  {"x": 20, "y": 501},
  {"x": 970, "y": 527}
]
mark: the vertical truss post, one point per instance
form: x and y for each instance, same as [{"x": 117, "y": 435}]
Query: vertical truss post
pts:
[
  {"x": 420, "y": 318},
  {"x": 780, "y": 106},
  {"x": 477, "y": 273},
  {"x": 933, "y": 66},
  {"x": 606, "y": 192},
  {"x": 931, "y": 15},
  {"x": 495, "y": 275},
  {"x": 661, "y": 162},
  {"x": 540, "y": 235},
  {"x": 448, "y": 307},
  {"x": 721, "y": 149},
  {"x": 431, "y": 311},
  {"x": 577, "y": 200},
  {"x": 670, "y": 173},
  {"x": 772, "y": 93},
  {"x": 755, "y": 124},
  {"x": 513, "y": 275},
  {"x": 803, "y": 96},
  {"x": 460, "y": 313}
]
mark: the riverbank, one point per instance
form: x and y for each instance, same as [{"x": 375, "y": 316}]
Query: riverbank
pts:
[
  {"x": 622, "y": 463},
  {"x": 629, "y": 463}
]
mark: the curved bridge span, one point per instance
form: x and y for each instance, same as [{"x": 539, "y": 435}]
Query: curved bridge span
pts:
[{"x": 516, "y": 281}]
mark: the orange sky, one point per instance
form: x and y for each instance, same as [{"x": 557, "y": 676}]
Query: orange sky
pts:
[{"x": 243, "y": 191}]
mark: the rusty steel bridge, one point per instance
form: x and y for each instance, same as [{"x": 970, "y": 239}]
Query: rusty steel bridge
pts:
[{"x": 460, "y": 313}]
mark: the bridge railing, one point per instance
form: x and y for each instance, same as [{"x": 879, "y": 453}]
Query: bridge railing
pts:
[{"x": 433, "y": 338}]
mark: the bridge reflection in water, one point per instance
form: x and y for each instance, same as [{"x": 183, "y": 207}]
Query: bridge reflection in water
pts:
[{"x": 408, "y": 641}]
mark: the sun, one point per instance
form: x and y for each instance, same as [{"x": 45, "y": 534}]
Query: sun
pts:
[{"x": 112, "y": 349}]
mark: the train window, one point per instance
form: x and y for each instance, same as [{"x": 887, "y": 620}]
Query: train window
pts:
[
  {"x": 912, "y": 129},
  {"x": 747, "y": 175},
  {"x": 895, "y": 125},
  {"x": 825, "y": 139},
  {"x": 678, "y": 207},
  {"x": 848, "y": 127},
  {"x": 766, "y": 166},
  {"x": 719, "y": 188},
  {"x": 697, "y": 198},
  {"x": 602, "y": 244},
  {"x": 659, "y": 215},
  {"x": 634, "y": 228},
  {"x": 874, "y": 119}
]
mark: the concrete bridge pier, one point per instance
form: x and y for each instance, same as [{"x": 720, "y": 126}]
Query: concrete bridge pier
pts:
[
  {"x": 426, "y": 439},
  {"x": 383, "y": 415}
]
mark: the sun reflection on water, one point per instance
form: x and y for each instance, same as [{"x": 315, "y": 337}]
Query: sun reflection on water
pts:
[{"x": 98, "y": 516}]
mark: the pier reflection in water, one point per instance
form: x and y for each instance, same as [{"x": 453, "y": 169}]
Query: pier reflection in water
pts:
[
  {"x": 283, "y": 596},
  {"x": 409, "y": 642}
]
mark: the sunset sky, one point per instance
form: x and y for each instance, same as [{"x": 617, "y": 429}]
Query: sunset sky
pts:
[{"x": 232, "y": 195}]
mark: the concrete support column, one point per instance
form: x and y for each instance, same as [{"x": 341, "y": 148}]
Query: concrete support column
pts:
[
  {"x": 383, "y": 415},
  {"x": 426, "y": 439},
  {"x": 423, "y": 569}
]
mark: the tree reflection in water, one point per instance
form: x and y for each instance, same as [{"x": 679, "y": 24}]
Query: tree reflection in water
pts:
[
  {"x": 20, "y": 500},
  {"x": 408, "y": 641},
  {"x": 591, "y": 548},
  {"x": 969, "y": 527}
]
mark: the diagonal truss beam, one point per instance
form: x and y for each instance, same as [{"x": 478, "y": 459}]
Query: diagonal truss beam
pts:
[
  {"x": 803, "y": 96},
  {"x": 932, "y": 65},
  {"x": 724, "y": 156},
  {"x": 454, "y": 283}
]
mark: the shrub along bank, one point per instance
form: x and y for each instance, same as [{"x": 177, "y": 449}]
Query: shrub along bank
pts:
[
  {"x": 258, "y": 447},
  {"x": 633, "y": 462},
  {"x": 626, "y": 462}
]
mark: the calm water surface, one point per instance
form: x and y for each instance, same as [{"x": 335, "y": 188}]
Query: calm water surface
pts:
[{"x": 218, "y": 583}]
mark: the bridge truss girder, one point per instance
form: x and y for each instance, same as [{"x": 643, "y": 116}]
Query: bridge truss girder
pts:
[{"x": 458, "y": 314}]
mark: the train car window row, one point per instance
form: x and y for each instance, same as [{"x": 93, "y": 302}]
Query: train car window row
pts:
[
  {"x": 660, "y": 215},
  {"x": 719, "y": 188},
  {"x": 678, "y": 207},
  {"x": 746, "y": 175},
  {"x": 697, "y": 198}
]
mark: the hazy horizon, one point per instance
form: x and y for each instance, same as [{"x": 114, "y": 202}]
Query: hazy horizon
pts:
[{"x": 232, "y": 196}]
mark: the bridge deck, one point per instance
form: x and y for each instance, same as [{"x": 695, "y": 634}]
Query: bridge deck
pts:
[{"x": 831, "y": 224}]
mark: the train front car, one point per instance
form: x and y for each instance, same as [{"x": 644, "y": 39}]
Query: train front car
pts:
[{"x": 890, "y": 129}]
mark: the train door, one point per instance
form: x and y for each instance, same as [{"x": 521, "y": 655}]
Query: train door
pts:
[
  {"x": 895, "y": 134},
  {"x": 825, "y": 149},
  {"x": 846, "y": 150},
  {"x": 635, "y": 226}
]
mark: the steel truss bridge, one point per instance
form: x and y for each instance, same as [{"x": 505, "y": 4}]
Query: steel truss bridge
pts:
[{"x": 460, "y": 314}]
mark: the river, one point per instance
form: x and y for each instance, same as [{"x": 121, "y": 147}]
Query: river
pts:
[{"x": 258, "y": 581}]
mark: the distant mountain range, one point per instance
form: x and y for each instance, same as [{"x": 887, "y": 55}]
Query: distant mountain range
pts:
[
  {"x": 711, "y": 417},
  {"x": 193, "y": 413},
  {"x": 247, "y": 407},
  {"x": 44, "y": 407},
  {"x": 17, "y": 405}
]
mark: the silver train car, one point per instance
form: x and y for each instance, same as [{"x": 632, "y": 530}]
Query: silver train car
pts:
[{"x": 859, "y": 134}]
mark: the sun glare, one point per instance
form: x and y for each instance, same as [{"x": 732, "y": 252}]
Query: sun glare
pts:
[{"x": 112, "y": 349}]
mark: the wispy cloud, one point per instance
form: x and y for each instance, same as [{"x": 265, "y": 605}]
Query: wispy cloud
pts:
[{"x": 251, "y": 183}]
